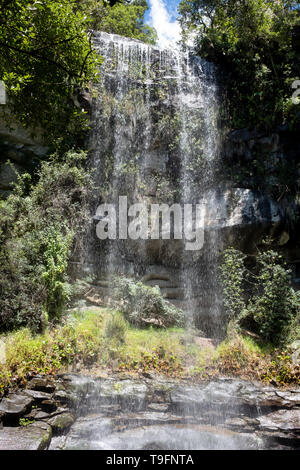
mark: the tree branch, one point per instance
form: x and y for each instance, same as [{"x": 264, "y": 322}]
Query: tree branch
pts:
[{"x": 34, "y": 55}]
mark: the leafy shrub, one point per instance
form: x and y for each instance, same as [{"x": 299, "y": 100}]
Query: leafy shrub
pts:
[
  {"x": 272, "y": 307},
  {"x": 232, "y": 273},
  {"x": 37, "y": 229},
  {"x": 242, "y": 357},
  {"x": 115, "y": 327},
  {"x": 143, "y": 305}
]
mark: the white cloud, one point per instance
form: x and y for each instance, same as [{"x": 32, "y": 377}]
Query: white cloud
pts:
[{"x": 168, "y": 30}]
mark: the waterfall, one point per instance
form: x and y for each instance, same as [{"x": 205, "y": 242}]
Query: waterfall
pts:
[{"x": 155, "y": 140}]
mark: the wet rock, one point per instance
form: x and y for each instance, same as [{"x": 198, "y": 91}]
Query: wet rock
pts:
[
  {"x": 65, "y": 398},
  {"x": 41, "y": 384},
  {"x": 38, "y": 396},
  {"x": 128, "y": 393},
  {"x": 14, "y": 406},
  {"x": 243, "y": 424},
  {"x": 36, "y": 436},
  {"x": 164, "y": 437},
  {"x": 156, "y": 413},
  {"x": 295, "y": 347},
  {"x": 159, "y": 393},
  {"x": 161, "y": 407},
  {"x": 36, "y": 414},
  {"x": 48, "y": 405},
  {"x": 61, "y": 422},
  {"x": 281, "y": 420},
  {"x": 82, "y": 432}
]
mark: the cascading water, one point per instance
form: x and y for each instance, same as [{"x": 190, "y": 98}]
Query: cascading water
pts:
[{"x": 156, "y": 141}]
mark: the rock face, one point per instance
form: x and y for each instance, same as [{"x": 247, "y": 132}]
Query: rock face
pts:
[
  {"x": 21, "y": 149},
  {"x": 268, "y": 163},
  {"x": 161, "y": 414},
  {"x": 150, "y": 413},
  {"x": 29, "y": 417}
]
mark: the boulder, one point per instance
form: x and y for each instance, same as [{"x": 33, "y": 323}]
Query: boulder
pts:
[
  {"x": 61, "y": 422},
  {"x": 48, "y": 405},
  {"x": 38, "y": 396},
  {"x": 41, "y": 384},
  {"x": 36, "y": 436},
  {"x": 14, "y": 406},
  {"x": 281, "y": 420}
]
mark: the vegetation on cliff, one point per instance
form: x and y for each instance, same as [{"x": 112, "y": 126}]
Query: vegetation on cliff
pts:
[
  {"x": 38, "y": 225},
  {"x": 261, "y": 298}
]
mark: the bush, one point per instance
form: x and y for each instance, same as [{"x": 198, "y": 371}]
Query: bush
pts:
[
  {"x": 116, "y": 327},
  {"x": 273, "y": 306},
  {"x": 144, "y": 306},
  {"x": 37, "y": 228},
  {"x": 242, "y": 357}
]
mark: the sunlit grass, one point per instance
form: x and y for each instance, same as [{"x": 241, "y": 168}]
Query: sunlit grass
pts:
[{"x": 100, "y": 338}]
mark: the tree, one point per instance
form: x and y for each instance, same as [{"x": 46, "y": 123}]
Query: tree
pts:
[
  {"x": 253, "y": 41},
  {"x": 46, "y": 54},
  {"x": 262, "y": 298},
  {"x": 123, "y": 17}
]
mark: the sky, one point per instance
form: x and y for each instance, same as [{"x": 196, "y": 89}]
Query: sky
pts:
[{"x": 162, "y": 15}]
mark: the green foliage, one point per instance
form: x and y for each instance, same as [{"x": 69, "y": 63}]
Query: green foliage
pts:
[
  {"x": 263, "y": 297},
  {"x": 56, "y": 264},
  {"x": 25, "y": 421},
  {"x": 116, "y": 327},
  {"x": 144, "y": 306},
  {"x": 85, "y": 338},
  {"x": 233, "y": 272},
  {"x": 241, "y": 356},
  {"x": 281, "y": 370},
  {"x": 126, "y": 19},
  {"x": 82, "y": 339},
  {"x": 46, "y": 55},
  {"x": 37, "y": 227},
  {"x": 274, "y": 310},
  {"x": 253, "y": 40}
]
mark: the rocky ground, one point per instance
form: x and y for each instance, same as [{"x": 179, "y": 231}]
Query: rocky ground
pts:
[{"x": 149, "y": 412}]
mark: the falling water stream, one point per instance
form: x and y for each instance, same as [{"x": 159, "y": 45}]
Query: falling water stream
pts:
[{"x": 156, "y": 141}]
